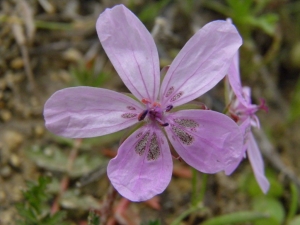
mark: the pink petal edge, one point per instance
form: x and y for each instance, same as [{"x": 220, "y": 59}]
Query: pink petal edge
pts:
[
  {"x": 257, "y": 164},
  {"x": 201, "y": 64},
  {"x": 131, "y": 49},
  {"x": 245, "y": 129},
  {"x": 217, "y": 141},
  {"x": 235, "y": 81},
  {"x": 82, "y": 112},
  {"x": 135, "y": 177}
]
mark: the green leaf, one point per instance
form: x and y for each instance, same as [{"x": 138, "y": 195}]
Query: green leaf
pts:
[
  {"x": 293, "y": 202},
  {"x": 271, "y": 207},
  {"x": 295, "y": 221},
  {"x": 36, "y": 194},
  {"x": 52, "y": 158},
  {"x": 73, "y": 200},
  {"x": 249, "y": 184},
  {"x": 234, "y": 218},
  {"x": 150, "y": 11},
  {"x": 34, "y": 210},
  {"x": 84, "y": 75},
  {"x": 26, "y": 214},
  {"x": 55, "y": 219},
  {"x": 240, "y": 8},
  {"x": 266, "y": 22},
  {"x": 152, "y": 222},
  {"x": 93, "y": 218},
  {"x": 260, "y": 6},
  {"x": 295, "y": 104}
]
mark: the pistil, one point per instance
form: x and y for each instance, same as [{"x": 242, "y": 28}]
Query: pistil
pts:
[{"x": 154, "y": 112}]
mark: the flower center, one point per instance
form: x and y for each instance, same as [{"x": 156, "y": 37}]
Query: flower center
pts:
[{"x": 154, "y": 112}]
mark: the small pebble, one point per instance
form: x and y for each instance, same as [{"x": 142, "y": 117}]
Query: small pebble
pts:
[
  {"x": 48, "y": 151},
  {"x": 2, "y": 196},
  {"x": 5, "y": 115},
  {"x": 15, "y": 160},
  {"x": 12, "y": 139},
  {"x": 65, "y": 76},
  {"x": 16, "y": 194},
  {"x": 6, "y": 171},
  {"x": 34, "y": 101},
  {"x": 17, "y": 63},
  {"x": 7, "y": 216},
  {"x": 72, "y": 55},
  {"x": 38, "y": 131}
]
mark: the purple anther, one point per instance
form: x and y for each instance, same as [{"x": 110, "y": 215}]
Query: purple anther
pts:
[
  {"x": 142, "y": 115},
  {"x": 168, "y": 108},
  {"x": 164, "y": 124}
]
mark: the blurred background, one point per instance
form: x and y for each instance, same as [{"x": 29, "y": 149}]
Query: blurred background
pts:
[{"x": 47, "y": 45}]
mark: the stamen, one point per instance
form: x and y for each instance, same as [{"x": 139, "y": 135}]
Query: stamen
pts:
[
  {"x": 155, "y": 104},
  {"x": 146, "y": 101},
  {"x": 154, "y": 112},
  {"x": 203, "y": 106},
  {"x": 142, "y": 115},
  {"x": 164, "y": 124},
  {"x": 234, "y": 117},
  {"x": 177, "y": 158},
  {"x": 263, "y": 105},
  {"x": 168, "y": 108},
  {"x": 161, "y": 123}
]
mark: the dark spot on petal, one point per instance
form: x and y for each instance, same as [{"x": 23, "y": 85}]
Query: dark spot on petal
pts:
[
  {"x": 139, "y": 134},
  {"x": 176, "y": 96},
  {"x": 154, "y": 150},
  {"x": 129, "y": 115},
  {"x": 142, "y": 144},
  {"x": 170, "y": 91},
  {"x": 131, "y": 107},
  {"x": 189, "y": 123},
  {"x": 183, "y": 136}
]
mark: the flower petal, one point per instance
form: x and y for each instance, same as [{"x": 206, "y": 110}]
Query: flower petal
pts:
[
  {"x": 245, "y": 129},
  {"x": 81, "y": 112},
  {"x": 234, "y": 74},
  {"x": 143, "y": 166},
  {"x": 201, "y": 64},
  {"x": 235, "y": 80},
  {"x": 257, "y": 164},
  {"x": 207, "y": 140},
  {"x": 131, "y": 49},
  {"x": 246, "y": 92}
]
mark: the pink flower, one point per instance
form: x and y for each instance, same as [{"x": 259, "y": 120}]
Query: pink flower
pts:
[
  {"x": 244, "y": 111},
  {"x": 206, "y": 140}
]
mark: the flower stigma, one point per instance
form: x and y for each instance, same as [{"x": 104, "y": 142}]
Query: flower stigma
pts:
[{"x": 155, "y": 112}]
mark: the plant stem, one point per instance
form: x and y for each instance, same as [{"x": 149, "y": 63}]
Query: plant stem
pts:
[
  {"x": 194, "y": 187},
  {"x": 197, "y": 197},
  {"x": 203, "y": 188},
  {"x": 186, "y": 213}
]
